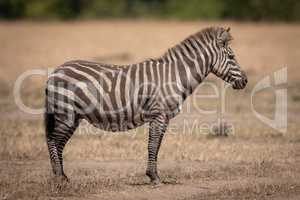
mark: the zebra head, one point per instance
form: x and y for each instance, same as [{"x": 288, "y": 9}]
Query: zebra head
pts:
[{"x": 226, "y": 65}]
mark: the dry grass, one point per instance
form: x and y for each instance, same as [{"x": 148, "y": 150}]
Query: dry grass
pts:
[{"x": 253, "y": 162}]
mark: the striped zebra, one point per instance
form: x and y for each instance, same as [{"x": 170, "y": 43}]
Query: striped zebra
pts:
[{"x": 119, "y": 98}]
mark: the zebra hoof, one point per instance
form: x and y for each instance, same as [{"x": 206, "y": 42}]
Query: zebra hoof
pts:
[
  {"x": 64, "y": 178},
  {"x": 156, "y": 183},
  {"x": 154, "y": 178},
  {"x": 61, "y": 179}
]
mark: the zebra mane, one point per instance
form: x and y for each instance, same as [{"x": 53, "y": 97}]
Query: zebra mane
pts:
[
  {"x": 215, "y": 33},
  {"x": 211, "y": 34}
]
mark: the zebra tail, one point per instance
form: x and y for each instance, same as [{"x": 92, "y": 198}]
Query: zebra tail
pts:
[{"x": 49, "y": 119}]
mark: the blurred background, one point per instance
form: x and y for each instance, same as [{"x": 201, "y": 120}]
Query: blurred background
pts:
[
  {"x": 254, "y": 10},
  {"x": 252, "y": 161}
]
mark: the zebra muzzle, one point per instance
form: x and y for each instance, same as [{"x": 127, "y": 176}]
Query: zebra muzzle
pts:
[{"x": 240, "y": 83}]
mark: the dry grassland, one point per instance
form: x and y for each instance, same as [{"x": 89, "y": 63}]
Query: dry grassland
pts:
[{"x": 254, "y": 162}]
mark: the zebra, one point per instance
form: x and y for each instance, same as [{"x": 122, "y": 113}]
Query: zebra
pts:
[{"x": 124, "y": 97}]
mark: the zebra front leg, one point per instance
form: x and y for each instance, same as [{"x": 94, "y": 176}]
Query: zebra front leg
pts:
[{"x": 156, "y": 132}]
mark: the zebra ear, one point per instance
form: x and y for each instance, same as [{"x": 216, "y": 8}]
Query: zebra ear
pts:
[{"x": 224, "y": 38}]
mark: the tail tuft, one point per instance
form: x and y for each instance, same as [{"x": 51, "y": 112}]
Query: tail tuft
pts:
[{"x": 49, "y": 119}]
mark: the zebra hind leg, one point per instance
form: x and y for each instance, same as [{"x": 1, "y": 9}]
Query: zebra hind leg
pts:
[
  {"x": 157, "y": 129},
  {"x": 57, "y": 135}
]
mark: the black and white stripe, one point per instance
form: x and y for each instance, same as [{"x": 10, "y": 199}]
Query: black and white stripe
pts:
[{"x": 119, "y": 98}]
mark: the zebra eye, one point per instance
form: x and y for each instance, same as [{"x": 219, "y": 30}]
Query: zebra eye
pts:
[{"x": 230, "y": 56}]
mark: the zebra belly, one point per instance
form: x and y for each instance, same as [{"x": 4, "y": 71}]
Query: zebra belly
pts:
[{"x": 114, "y": 124}]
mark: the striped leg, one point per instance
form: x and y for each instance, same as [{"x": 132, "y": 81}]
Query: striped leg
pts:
[
  {"x": 53, "y": 153},
  {"x": 157, "y": 129},
  {"x": 57, "y": 137}
]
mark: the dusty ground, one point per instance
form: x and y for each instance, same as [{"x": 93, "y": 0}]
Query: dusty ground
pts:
[{"x": 253, "y": 162}]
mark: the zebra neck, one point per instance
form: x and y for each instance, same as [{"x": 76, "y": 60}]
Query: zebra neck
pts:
[{"x": 188, "y": 70}]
